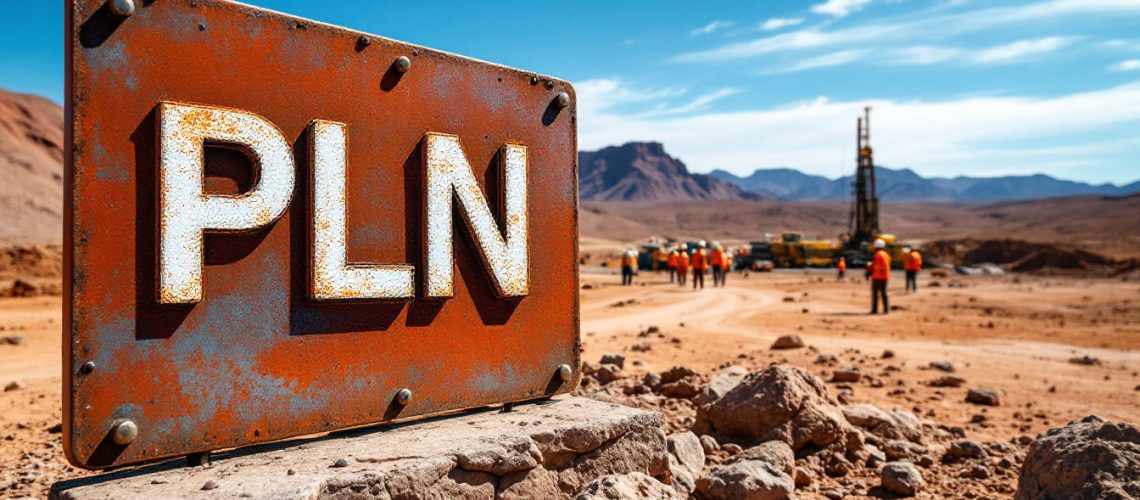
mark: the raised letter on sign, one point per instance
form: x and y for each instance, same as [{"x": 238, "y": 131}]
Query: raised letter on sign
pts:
[
  {"x": 332, "y": 276},
  {"x": 186, "y": 211},
  {"x": 448, "y": 177}
]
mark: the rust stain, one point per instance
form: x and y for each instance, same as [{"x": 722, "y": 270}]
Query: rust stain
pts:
[{"x": 256, "y": 359}]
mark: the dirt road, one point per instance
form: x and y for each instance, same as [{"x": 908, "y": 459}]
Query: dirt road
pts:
[{"x": 1014, "y": 334}]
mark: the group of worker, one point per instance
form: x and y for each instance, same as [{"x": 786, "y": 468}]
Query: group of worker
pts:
[
  {"x": 679, "y": 262},
  {"x": 879, "y": 272}
]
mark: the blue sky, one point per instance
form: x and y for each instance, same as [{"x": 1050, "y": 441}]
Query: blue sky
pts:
[{"x": 959, "y": 87}]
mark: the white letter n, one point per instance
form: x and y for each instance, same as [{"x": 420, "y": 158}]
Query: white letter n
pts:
[{"x": 448, "y": 176}]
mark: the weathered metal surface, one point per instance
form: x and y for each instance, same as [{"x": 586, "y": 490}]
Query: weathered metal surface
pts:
[{"x": 262, "y": 354}]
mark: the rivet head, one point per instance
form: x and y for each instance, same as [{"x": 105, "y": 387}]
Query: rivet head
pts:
[
  {"x": 124, "y": 432},
  {"x": 404, "y": 396},
  {"x": 562, "y": 100},
  {"x": 403, "y": 64},
  {"x": 365, "y": 40},
  {"x": 121, "y": 8},
  {"x": 549, "y": 85},
  {"x": 564, "y": 372},
  {"x": 87, "y": 368}
]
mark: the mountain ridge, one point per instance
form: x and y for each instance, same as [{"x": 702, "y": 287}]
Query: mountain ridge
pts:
[
  {"x": 643, "y": 171},
  {"x": 905, "y": 185}
]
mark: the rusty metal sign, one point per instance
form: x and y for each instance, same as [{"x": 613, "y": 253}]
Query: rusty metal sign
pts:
[{"x": 277, "y": 227}]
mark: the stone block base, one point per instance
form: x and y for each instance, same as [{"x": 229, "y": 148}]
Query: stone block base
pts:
[{"x": 548, "y": 449}]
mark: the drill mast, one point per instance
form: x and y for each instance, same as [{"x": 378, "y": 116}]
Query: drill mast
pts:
[{"x": 863, "y": 225}]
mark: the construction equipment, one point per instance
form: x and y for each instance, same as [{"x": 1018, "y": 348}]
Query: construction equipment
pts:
[{"x": 863, "y": 224}]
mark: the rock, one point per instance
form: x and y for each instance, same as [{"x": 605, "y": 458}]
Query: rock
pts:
[
  {"x": 607, "y": 373},
  {"x": 210, "y": 485},
  {"x": 506, "y": 456},
  {"x": 943, "y": 366},
  {"x": 897, "y": 449},
  {"x": 709, "y": 444},
  {"x": 340, "y": 462},
  {"x": 977, "y": 472},
  {"x": 732, "y": 449},
  {"x": 803, "y": 477},
  {"x": 721, "y": 384},
  {"x": 779, "y": 403},
  {"x": 641, "y": 347},
  {"x": 846, "y": 375},
  {"x": 14, "y": 385},
  {"x": 788, "y": 342},
  {"x": 634, "y": 485},
  {"x": 21, "y": 288},
  {"x": 765, "y": 471},
  {"x": 895, "y": 424},
  {"x": 965, "y": 448},
  {"x": 983, "y": 396},
  {"x": 888, "y": 354},
  {"x": 1084, "y": 360},
  {"x": 677, "y": 373},
  {"x": 1086, "y": 459},
  {"x": 833, "y": 494},
  {"x": 826, "y": 359},
  {"x": 613, "y": 359},
  {"x": 681, "y": 389},
  {"x": 573, "y": 440},
  {"x": 947, "y": 381},
  {"x": 12, "y": 340},
  {"x": 686, "y": 459},
  {"x": 901, "y": 478},
  {"x": 875, "y": 456}
]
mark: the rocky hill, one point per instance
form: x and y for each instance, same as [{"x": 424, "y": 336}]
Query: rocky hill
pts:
[
  {"x": 31, "y": 164},
  {"x": 643, "y": 171},
  {"x": 904, "y": 185}
]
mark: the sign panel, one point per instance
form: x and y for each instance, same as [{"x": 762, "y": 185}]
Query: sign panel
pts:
[{"x": 277, "y": 227}]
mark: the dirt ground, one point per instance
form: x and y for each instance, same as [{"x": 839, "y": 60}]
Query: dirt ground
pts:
[{"x": 1014, "y": 334}]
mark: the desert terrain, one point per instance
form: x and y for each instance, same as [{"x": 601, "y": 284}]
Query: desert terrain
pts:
[{"x": 1054, "y": 349}]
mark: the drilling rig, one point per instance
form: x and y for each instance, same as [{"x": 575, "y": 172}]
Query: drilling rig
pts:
[{"x": 863, "y": 223}]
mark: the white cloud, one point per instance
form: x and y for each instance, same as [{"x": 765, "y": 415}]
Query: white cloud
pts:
[
  {"x": 1129, "y": 65},
  {"x": 1021, "y": 49},
  {"x": 922, "y": 54},
  {"x": 839, "y": 8},
  {"x": 826, "y": 60},
  {"x": 914, "y": 29},
  {"x": 711, "y": 27},
  {"x": 780, "y": 22},
  {"x": 946, "y": 137}
]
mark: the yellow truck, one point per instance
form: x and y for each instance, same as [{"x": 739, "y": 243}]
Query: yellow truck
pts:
[{"x": 792, "y": 250}]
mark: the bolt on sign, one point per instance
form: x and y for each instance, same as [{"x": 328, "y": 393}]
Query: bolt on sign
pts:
[{"x": 277, "y": 227}]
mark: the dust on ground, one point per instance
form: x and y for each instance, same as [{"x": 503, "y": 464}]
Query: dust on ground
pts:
[{"x": 1054, "y": 348}]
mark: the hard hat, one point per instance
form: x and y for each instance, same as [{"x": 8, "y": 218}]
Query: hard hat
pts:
[
  {"x": 716, "y": 244},
  {"x": 701, "y": 244},
  {"x": 880, "y": 244},
  {"x": 906, "y": 249}
]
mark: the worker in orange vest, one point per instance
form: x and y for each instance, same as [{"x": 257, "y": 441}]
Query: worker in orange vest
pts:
[
  {"x": 672, "y": 264},
  {"x": 880, "y": 268},
  {"x": 700, "y": 264},
  {"x": 716, "y": 258},
  {"x": 725, "y": 267},
  {"x": 912, "y": 264},
  {"x": 682, "y": 265},
  {"x": 628, "y": 261},
  {"x": 842, "y": 267},
  {"x": 661, "y": 257}
]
